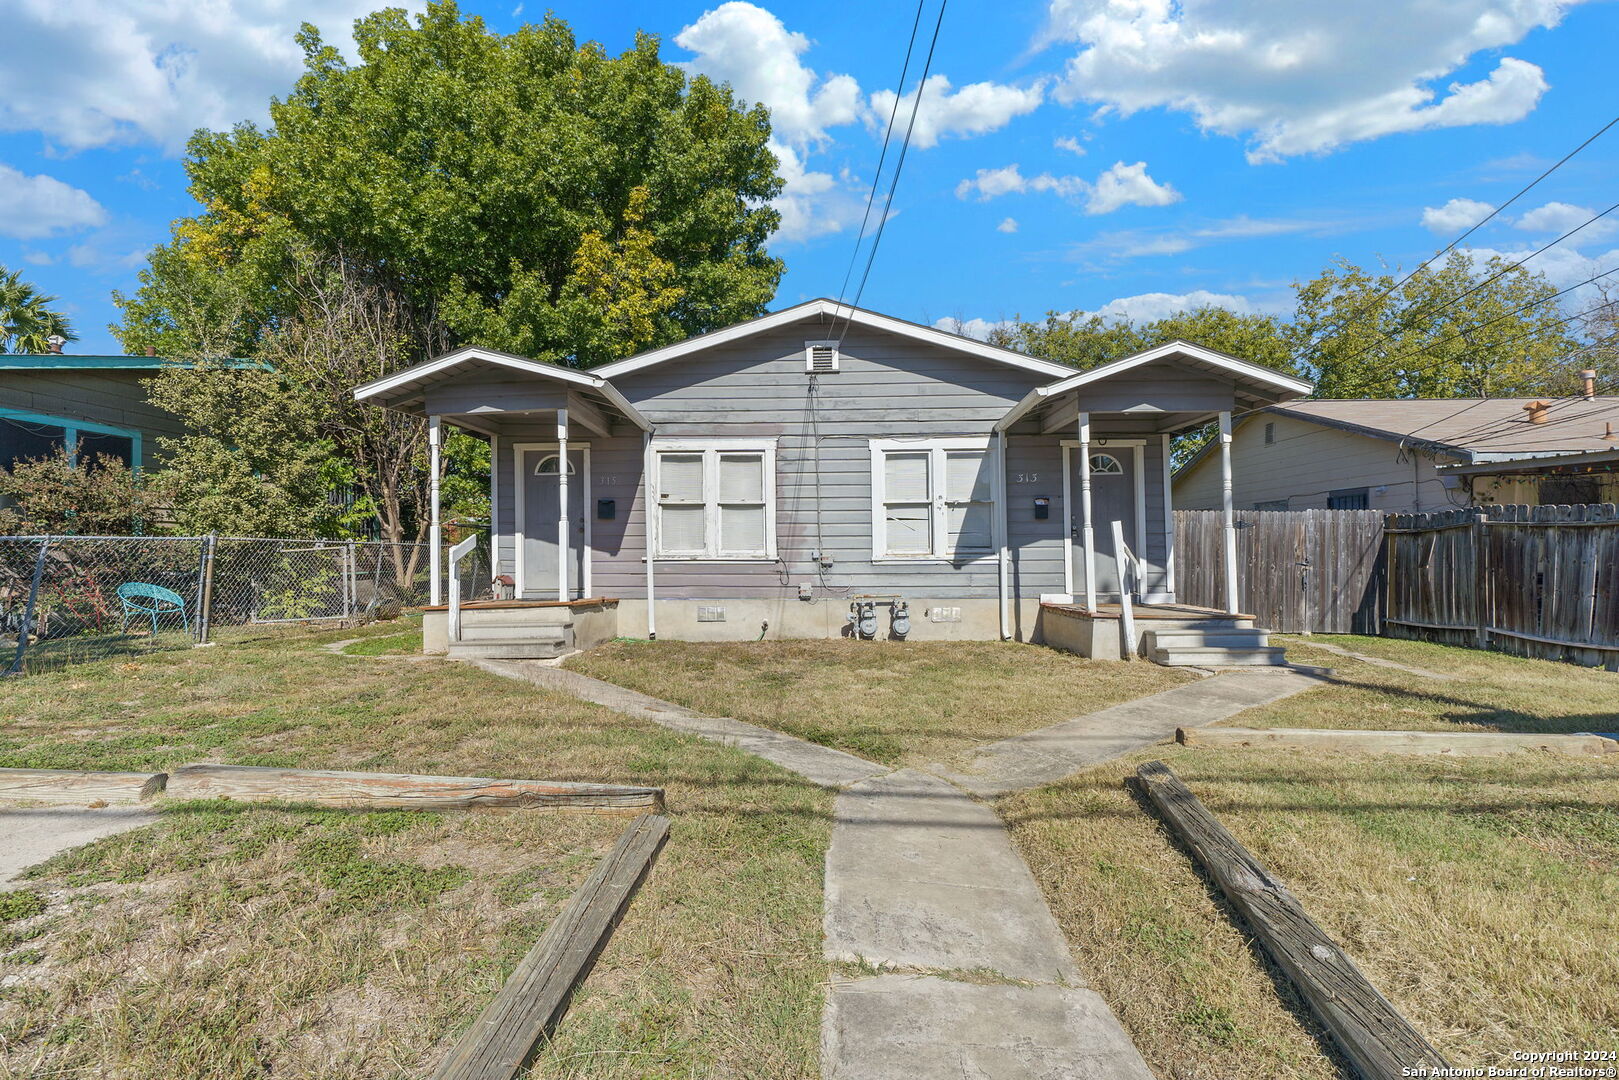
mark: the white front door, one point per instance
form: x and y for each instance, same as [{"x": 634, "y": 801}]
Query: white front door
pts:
[
  {"x": 1114, "y": 488},
  {"x": 538, "y": 480}
]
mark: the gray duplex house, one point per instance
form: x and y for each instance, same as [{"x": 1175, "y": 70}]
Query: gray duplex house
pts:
[{"x": 817, "y": 472}]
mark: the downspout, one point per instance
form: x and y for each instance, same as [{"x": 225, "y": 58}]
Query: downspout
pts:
[
  {"x": 648, "y": 497},
  {"x": 1005, "y": 518}
]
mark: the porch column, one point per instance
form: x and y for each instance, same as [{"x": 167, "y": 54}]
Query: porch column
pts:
[
  {"x": 1087, "y": 537},
  {"x": 562, "y": 504},
  {"x": 435, "y": 533},
  {"x": 1228, "y": 506},
  {"x": 649, "y": 529},
  {"x": 1169, "y": 521}
]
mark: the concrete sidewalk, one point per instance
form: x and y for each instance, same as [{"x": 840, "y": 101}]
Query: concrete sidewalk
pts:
[
  {"x": 33, "y": 834},
  {"x": 1041, "y": 757}
]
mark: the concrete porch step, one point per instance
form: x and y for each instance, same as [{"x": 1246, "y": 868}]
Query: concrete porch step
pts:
[
  {"x": 476, "y": 630},
  {"x": 525, "y": 616},
  {"x": 528, "y": 648},
  {"x": 1192, "y": 639},
  {"x": 1215, "y": 623},
  {"x": 1211, "y": 656}
]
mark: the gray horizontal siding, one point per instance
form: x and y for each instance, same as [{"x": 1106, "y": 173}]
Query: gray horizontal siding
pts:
[
  {"x": 887, "y": 387},
  {"x": 117, "y": 398}
]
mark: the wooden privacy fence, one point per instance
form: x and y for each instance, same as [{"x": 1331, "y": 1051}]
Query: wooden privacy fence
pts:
[
  {"x": 1533, "y": 580},
  {"x": 1298, "y": 571}
]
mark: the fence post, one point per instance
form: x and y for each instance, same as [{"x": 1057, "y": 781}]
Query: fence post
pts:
[
  {"x": 1481, "y": 580},
  {"x": 28, "y": 610},
  {"x": 350, "y": 584},
  {"x": 205, "y": 588}
]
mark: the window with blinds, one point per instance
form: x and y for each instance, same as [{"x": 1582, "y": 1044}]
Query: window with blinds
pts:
[
  {"x": 933, "y": 500},
  {"x": 716, "y": 501}
]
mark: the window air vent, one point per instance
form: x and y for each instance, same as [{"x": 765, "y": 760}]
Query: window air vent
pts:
[
  {"x": 1270, "y": 434},
  {"x": 820, "y": 357}
]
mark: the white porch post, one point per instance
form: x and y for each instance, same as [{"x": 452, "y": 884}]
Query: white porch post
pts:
[
  {"x": 1001, "y": 530},
  {"x": 649, "y": 508},
  {"x": 435, "y": 532},
  {"x": 1231, "y": 600},
  {"x": 562, "y": 504},
  {"x": 494, "y": 508},
  {"x": 1169, "y": 522},
  {"x": 1087, "y": 536}
]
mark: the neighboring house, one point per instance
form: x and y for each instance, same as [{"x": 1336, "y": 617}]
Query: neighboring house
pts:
[
  {"x": 802, "y": 461},
  {"x": 89, "y": 404},
  {"x": 1406, "y": 455}
]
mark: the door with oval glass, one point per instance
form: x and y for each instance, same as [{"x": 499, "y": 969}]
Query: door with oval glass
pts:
[
  {"x": 1114, "y": 491},
  {"x": 538, "y": 481}
]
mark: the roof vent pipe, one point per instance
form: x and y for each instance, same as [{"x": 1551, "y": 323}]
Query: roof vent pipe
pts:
[
  {"x": 1589, "y": 377},
  {"x": 1537, "y": 411}
]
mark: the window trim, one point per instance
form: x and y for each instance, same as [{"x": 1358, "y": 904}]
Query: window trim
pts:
[
  {"x": 937, "y": 446},
  {"x": 711, "y": 449},
  {"x": 1360, "y": 492},
  {"x": 70, "y": 433}
]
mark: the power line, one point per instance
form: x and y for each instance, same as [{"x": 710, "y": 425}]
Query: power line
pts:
[
  {"x": 888, "y": 134},
  {"x": 1497, "y": 276},
  {"x": 899, "y": 165},
  {"x": 1311, "y": 346}
]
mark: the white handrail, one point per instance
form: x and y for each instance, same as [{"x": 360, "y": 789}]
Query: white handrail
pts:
[
  {"x": 457, "y": 553},
  {"x": 1129, "y": 568}
]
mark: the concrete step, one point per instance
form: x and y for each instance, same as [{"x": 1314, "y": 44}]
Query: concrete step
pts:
[
  {"x": 517, "y": 616},
  {"x": 1191, "y": 639},
  {"x": 530, "y": 648},
  {"x": 482, "y": 631},
  {"x": 1266, "y": 656},
  {"x": 1220, "y": 622}
]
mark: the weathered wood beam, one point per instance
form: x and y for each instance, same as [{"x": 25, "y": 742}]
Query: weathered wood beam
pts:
[
  {"x": 1453, "y": 743},
  {"x": 244, "y": 783},
  {"x": 532, "y": 1002},
  {"x": 72, "y": 786},
  {"x": 1376, "y": 1039}
]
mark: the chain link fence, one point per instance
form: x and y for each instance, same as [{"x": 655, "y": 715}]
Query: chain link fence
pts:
[{"x": 69, "y": 599}]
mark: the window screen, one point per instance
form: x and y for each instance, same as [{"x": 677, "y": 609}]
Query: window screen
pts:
[
  {"x": 715, "y": 503},
  {"x": 937, "y": 501},
  {"x": 1348, "y": 499}
]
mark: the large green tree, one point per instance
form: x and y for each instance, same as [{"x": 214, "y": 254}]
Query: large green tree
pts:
[
  {"x": 1460, "y": 328},
  {"x": 455, "y": 185},
  {"x": 27, "y": 320}
]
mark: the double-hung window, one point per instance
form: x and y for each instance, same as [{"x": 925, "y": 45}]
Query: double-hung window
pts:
[
  {"x": 932, "y": 499},
  {"x": 716, "y": 498}
]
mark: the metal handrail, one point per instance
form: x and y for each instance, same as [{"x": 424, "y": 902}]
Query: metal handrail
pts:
[{"x": 457, "y": 553}]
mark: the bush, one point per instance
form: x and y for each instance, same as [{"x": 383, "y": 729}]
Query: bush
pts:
[{"x": 97, "y": 495}]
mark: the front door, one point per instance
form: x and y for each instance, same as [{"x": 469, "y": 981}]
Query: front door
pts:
[
  {"x": 1113, "y": 498},
  {"x": 539, "y": 471}
]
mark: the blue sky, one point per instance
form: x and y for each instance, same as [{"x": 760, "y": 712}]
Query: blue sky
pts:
[{"x": 1127, "y": 157}]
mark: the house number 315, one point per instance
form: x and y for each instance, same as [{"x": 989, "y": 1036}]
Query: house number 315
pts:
[{"x": 1025, "y": 478}]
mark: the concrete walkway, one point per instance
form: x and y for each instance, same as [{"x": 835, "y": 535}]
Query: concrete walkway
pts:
[
  {"x": 1377, "y": 661},
  {"x": 33, "y": 834},
  {"x": 1041, "y": 757},
  {"x": 923, "y": 882}
]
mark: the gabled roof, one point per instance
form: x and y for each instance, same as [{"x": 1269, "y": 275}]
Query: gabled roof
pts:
[
  {"x": 834, "y": 312},
  {"x": 1265, "y": 383},
  {"x": 405, "y": 382}
]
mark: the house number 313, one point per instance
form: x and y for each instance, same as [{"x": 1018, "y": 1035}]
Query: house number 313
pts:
[{"x": 1025, "y": 478}]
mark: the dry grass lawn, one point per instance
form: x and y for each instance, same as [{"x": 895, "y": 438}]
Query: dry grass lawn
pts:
[
  {"x": 1489, "y": 691},
  {"x": 1477, "y": 894},
  {"x": 899, "y": 703},
  {"x": 295, "y": 943}
]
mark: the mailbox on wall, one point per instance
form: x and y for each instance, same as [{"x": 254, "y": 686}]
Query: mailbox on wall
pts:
[
  {"x": 1042, "y": 508},
  {"x": 606, "y": 509}
]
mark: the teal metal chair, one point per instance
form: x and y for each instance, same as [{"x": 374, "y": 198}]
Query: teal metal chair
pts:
[{"x": 143, "y": 600}]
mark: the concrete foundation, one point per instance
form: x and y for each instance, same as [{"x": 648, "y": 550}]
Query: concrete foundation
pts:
[{"x": 771, "y": 619}]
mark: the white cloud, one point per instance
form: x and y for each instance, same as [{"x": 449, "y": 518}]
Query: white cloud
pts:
[
  {"x": 1008, "y": 225},
  {"x": 982, "y": 329},
  {"x": 36, "y": 206},
  {"x": 1068, "y": 143},
  {"x": 1120, "y": 186},
  {"x": 1458, "y": 215},
  {"x": 1558, "y": 218},
  {"x": 752, "y": 49},
  {"x": 1563, "y": 266},
  {"x": 1146, "y": 307},
  {"x": 98, "y": 72},
  {"x": 1133, "y": 243},
  {"x": 976, "y": 109},
  {"x": 813, "y": 203},
  {"x": 1302, "y": 78},
  {"x": 1128, "y": 185}
]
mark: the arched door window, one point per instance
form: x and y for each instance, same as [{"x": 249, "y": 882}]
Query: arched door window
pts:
[
  {"x": 548, "y": 466},
  {"x": 1106, "y": 465}
]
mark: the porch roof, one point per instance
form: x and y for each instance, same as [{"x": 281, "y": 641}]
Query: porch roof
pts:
[
  {"x": 1252, "y": 385},
  {"x": 406, "y": 389}
]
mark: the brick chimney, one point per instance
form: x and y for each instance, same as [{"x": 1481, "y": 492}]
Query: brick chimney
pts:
[
  {"x": 1537, "y": 411},
  {"x": 1589, "y": 378},
  {"x": 151, "y": 350}
]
